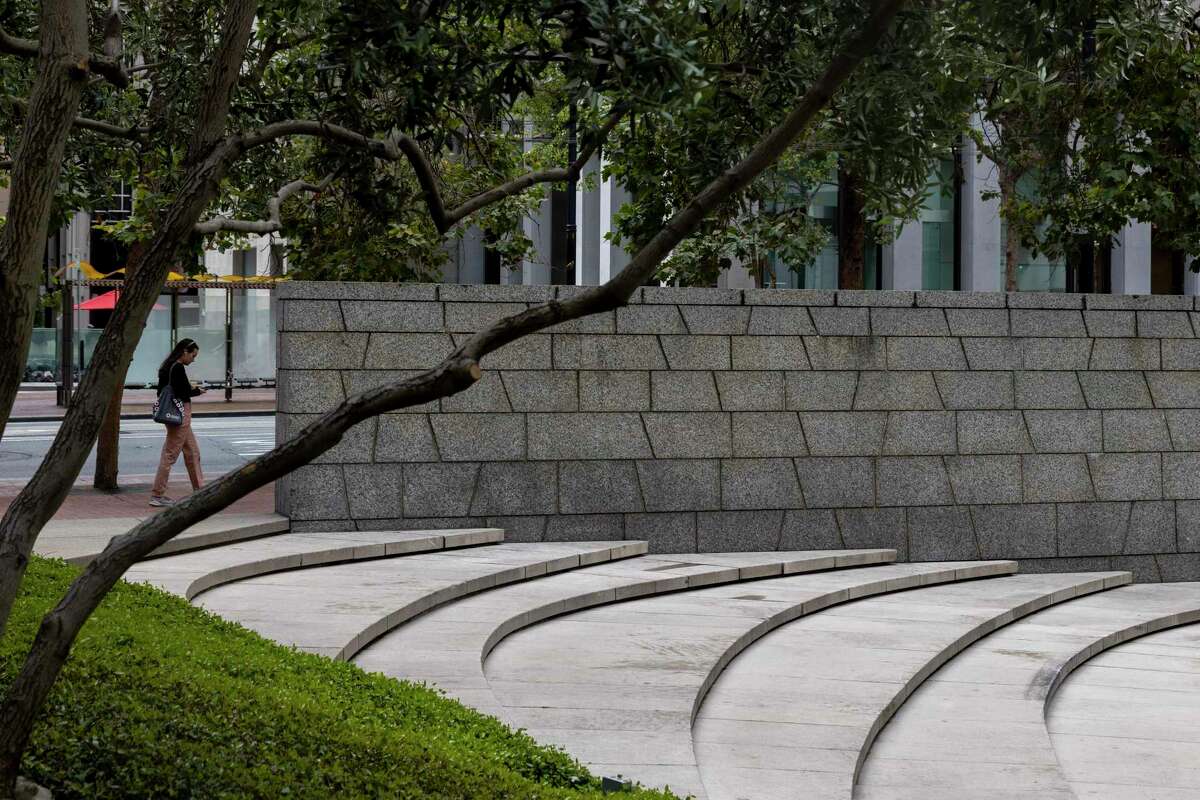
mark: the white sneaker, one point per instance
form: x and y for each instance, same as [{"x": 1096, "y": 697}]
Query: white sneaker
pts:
[{"x": 161, "y": 502}]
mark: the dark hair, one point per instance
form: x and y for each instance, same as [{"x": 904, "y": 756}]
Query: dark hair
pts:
[{"x": 183, "y": 346}]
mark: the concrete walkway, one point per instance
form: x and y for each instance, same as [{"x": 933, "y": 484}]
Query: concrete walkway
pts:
[{"x": 977, "y": 728}]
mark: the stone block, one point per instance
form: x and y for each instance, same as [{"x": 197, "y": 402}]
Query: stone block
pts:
[
  {"x": 520, "y": 529},
  {"x": 1181, "y": 476},
  {"x": 1037, "y": 566},
  {"x": 780, "y": 321},
  {"x": 308, "y": 391},
  {"x": 541, "y": 390},
  {"x": 1044, "y": 300},
  {"x": 356, "y": 445},
  {"x": 909, "y": 322},
  {"x": 768, "y": 352},
  {"x": 1144, "y": 568},
  {"x": 1049, "y": 390},
  {"x": 1056, "y": 478},
  {"x": 1126, "y": 476},
  {"x": 1174, "y": 389},
  {"x": 1176, "y": 567},
  {"x": 1164, "y": 325},
  {"x": 755, "y": 483},
  {"x": 1151, "y": 527},
  {"x": 614, "y": 390},
  {"x": 941, "y": 533},
  {"x": 1016, "y": 531},
  {"x": 913, "y": 481},
  {"x": 439, "y": 490},
  {"x": 675, "y": 295},
  {"x": 1115, "y": 389},
  {"x": 834, "y": 321},
  {"x": 390, "y": 315},
  {"x": 680, "y": 485},
  {"x": 314, "y": 315},
  {"x": 356, "y": 290},
  {"x": 622, "y": 352},
  {"x": 357, "y": 381},
  {"x": 767, "y": 434},
  {"x": 982, "y": 390},
  {"x": 977, "y": 321},
  {"x": 984, "y": 480},
  {"x": 522, "y": 487},
  {"x": 846, "y": 352},
  {"x": 683, "y": 391},
  {"x": 718, "y": 320},
  {"x": 317, "y": 491},
  {"x": 558, "y": 437},
  {"x": 957, "y": 299},
  {"x": 989, "y": 432},
  {"x": 565, "y": 350},
  {"x": 1124, "y": 354},
  {"x": 916, "y": 352},
  {"x": 810, "y": 529},
  {"x": 1135, "y": 431},
  {"x": 689, "y": 434},
  {"x": 737, "y": 531},
  {"x": 911, "y": 433},
  {"x": 1037, "y": 322},
  {"x": 844, "y": 433},
  {"x": 1065, "y": 431},
  {"x": 404, "y": 350},
  {"x": 327, "y": 350},
  {"x": 486, "y": 394},
  {"x": 603, "y": 322},
  {"x": 495, "y": 293},
  {"x": 1184, "y": 426},
  {"x": 992, "y": 353},
  {"x": 788, "y": 297},
  {"x": 418, "y": 524},
  {"x": 1139, "y": 302},
  {"x": 1179, "y": 354},
  {"x": 750, "y": 390},
  {"x": 650, "y": 319},
  {"x": 585, "y": 528},
  {"x": 1110, "y": 323},
  {"x": 587, "y": 487},
  {"x": 1187, "y": 514},
  {"x": 874, "y": 527},
  {"x": 405, "y": 437},
  {"x": 837, "y": 482},
  {"x": 897, "y": 391},
  {"x": 1092, "y": 529},
  {"x": 1055, "y": 353},
  {"x": 696, "y": 352},
  {"x": 820, "y": 391},
  {"x": 471, "y": 317},
  {"x": 875, "y": 297},
  {"x": 374, "y": 490},
  {"x": 479, "y": 437},
  {"x": 663, "y": 533}
]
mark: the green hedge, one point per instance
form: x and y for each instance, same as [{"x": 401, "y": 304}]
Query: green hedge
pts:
[{"x": 161, "y": 699}]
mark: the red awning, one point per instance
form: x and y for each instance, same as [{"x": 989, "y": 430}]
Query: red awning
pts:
[{"x": 106, "y": 302}]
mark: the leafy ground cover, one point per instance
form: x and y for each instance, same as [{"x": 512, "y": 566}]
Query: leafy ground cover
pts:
[{"x": 161, "y": 699}]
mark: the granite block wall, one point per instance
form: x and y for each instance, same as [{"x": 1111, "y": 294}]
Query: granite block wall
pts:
[{"x": 1061, "y": 430}]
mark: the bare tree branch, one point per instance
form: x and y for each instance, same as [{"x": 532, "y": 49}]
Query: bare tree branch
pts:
[
  {"x": 107, "y": 66},
  {"x": 88, "y": 124},
  {"x": 274, "y": 206}
]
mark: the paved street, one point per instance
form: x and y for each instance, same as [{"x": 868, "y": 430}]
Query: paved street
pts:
[{"x": 225, "y": 443}]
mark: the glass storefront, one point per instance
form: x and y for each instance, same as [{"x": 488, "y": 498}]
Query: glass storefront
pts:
[{"x": 937, "y": 229}]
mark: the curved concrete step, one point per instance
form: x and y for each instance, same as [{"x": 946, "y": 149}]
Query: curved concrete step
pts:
[
  {"x": 978, "y": 726},
  {"x": 1126, "y": 725},
  {"x": 80, "y": 540},
  {"x": 800, "y": 707},
  {"x": 337, "y": 610},
  {"x": 619, "y": 686},
  {"x": 447, "y": 647},
  {"x": 190, "y": 573}
]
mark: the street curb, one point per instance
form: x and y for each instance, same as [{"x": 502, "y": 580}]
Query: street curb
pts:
[{"x": 195, "y": 415}]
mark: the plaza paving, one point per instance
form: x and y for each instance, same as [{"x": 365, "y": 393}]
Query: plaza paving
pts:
[{"x": 740, "y": 676}]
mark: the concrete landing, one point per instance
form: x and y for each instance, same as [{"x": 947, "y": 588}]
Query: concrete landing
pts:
[
  {"x": 190, "y": 573},
  {"x": 618, "y": 687},
  {"x": 800, "y": 707},
  {"x": 977, "y": 728},
  {"x": 337, "y": 610}
]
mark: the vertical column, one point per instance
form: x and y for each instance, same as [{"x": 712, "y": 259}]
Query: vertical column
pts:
[
  {"x": 587, "y": 225},
  {"x": 537, "y": 227},
  {"x": 470, "y": 257},
  {"x": 1131, "y": 259},
  {"x": 613, "y": 257},
  {"x": 902, "y": 259},
  {"x": 981, "y": 245},
  {"x": 1191, "y": 279}
]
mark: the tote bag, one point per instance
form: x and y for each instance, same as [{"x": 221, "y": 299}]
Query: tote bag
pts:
[{"x": 168, "y": 409}]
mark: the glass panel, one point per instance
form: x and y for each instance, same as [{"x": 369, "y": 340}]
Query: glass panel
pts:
[
  {"x": 1038, "y": 274},
  {"x": 937, "y": 255},
  {"x": 153, "y": 347},
  {"x": 822, "y": 272},
  {"x": 41, "y": 365},
  {"x": 253, "y": 336}
]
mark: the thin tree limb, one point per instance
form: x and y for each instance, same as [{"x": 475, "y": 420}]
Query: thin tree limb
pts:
[
  {"x": 274, "y": 208},
  {"x": 88, "y": 124},
  {"x": 108, "y": 67}
]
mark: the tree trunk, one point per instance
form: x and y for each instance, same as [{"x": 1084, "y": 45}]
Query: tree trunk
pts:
[
  {"x": 852, "y": 232},
  {"x": 1012, "y": 236},
  {"x": 457, "y": 372},
  {"x": 53, "y": 106},
  {"x": 108, "y": 445}
]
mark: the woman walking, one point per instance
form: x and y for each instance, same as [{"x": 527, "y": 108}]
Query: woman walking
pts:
[{"x": 179, "y": 437}]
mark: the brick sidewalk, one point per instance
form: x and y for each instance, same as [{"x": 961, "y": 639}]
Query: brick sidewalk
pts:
[
  {"x": 40, "y": 403},
  {"x": 84, "y": 502}
]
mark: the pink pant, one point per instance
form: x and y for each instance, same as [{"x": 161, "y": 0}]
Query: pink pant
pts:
[{"x": 179, "y": 437}]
